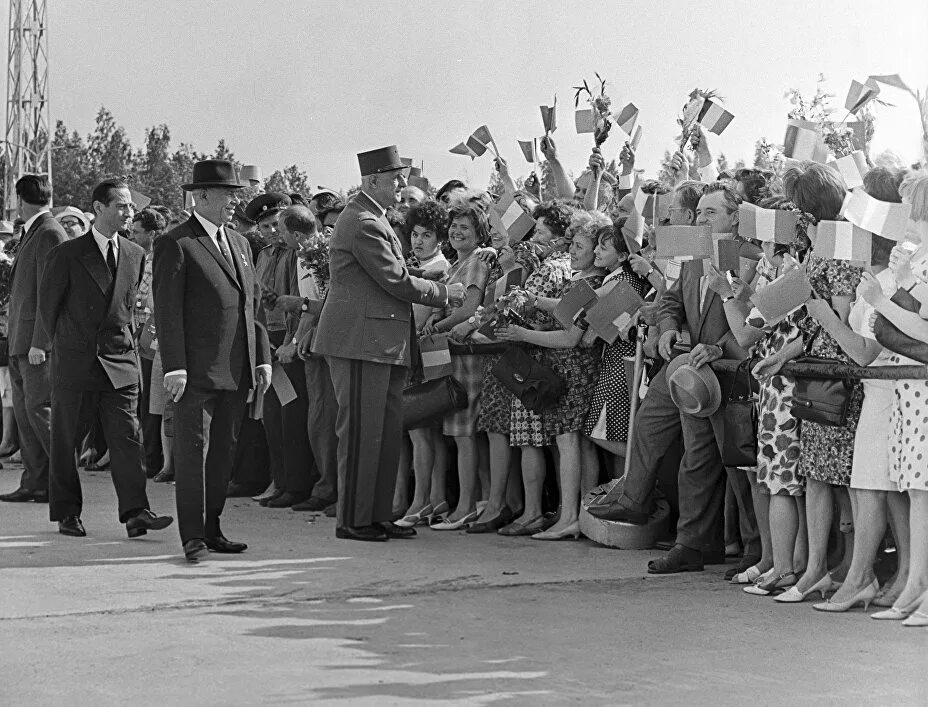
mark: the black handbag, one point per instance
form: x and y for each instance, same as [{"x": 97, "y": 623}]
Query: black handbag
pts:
[
  {"x": 426, "y": 403},
  {"x": 892, "y": 338},
  {"x": 738, "y": 444},
  {"x": 822, "y": 400},
  {"x": 533, "y": 383}
]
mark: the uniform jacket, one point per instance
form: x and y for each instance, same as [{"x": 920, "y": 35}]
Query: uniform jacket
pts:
[
  {"x": 89, "y": 313},
  {"x": 205, "y": 309},
  {"x": 25, "y": 279},
  {"x": 367, "y": 313}
]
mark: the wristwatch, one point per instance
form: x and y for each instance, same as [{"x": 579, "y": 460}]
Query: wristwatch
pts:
[
  {"x": 727, "y": 299},
  {"x": 305, "y": 305}
]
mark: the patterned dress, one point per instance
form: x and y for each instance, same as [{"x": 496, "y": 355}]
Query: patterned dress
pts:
[
  {"x": 828, "y": 452},
  {"x": 495, "y": 399},
  {"x": 610, "y": 407},
  {"x": 527, "y": 428}
]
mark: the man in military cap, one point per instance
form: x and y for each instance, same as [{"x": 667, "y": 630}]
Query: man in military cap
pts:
[{"x": 364, "y": 331}]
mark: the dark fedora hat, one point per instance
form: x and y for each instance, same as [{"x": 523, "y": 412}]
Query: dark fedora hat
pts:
[
  {"x": 383, "y": 159},
  {"x": 213, "y": 173}
]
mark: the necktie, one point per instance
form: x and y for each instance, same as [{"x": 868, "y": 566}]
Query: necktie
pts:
[
  {"x": 111, "y": 258},
  {"x": 224, "y": 247}
]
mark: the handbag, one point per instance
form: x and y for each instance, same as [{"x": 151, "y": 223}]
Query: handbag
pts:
[
  {"x": 821, "y": 400},
  {"x": 738, "y": 444},
  {"x": 894, "y": 339},
  {"x": 533, "y": 383},
  {"x": 425, "y": 403}
]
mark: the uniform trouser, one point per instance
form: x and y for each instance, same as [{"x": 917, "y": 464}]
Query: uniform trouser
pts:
[
  {"x": 322, "y": 410},
  {"x": 206, "y": 424},
  {"x": 32, "y": 410},
  {"x": 292, "y": 465},
  {"x": 73, "y": 411},
  {"x": 370, "y": 431},
  {"x": 150, "y": 424}
]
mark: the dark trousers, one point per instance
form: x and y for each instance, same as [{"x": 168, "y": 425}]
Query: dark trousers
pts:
[
  {"x": 252, "y": 460},
  {"x": 73, "y": 412},
  {"x": 292, "y": 466},
  {"x": 322, "y": 410},
  {"x": 151, "y": 424},
  {"x": 370, "y": 431},
  {"x": 32, "y": 410},
  {"x": 206, "y": 424}
]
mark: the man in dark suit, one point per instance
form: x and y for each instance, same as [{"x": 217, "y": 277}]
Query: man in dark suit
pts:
[
  {"x": 28, "y": 347},
  {"x": 86, "y": 304},
  {"x": 212, "y": 350},
  {"x": 364, "y": 331},
  {"x": 692, "y": 305}
]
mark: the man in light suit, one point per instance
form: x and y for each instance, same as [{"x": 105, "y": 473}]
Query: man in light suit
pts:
[
  {"x": 364, "y": 331},
  {"x": 690, "y": 304},
  {"x": 28, "y": 355},
  {"x": 212, "y": 350},
  {"x": 86, "y": 304}
]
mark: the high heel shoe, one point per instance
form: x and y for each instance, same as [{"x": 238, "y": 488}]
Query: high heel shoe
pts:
[
  {"x": 493, "y": 524},
  {"x": 794, "y": 596},
  {"x": 918, "y": 618},
  {"x": 571, "y": 532},
  {"x": 457, "y": 524},
  {"x": 895, "y": 613},
  {"x": 749, "y": 576},
  {"x": 413, "y": 519},
  {"x": 438, "y": 513},
  {"x": 865, "y": 595},
  {"x": 770, "y": 585}
]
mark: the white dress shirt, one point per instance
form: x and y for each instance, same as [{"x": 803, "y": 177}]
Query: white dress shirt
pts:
[
  {"x": 103, "y": 243},
  {"x": 212, "y": 230}
]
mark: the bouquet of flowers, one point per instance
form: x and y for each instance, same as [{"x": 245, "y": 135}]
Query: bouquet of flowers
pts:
[
  {"x": 314, "y": 255},
  {"x": 688, "y": 118},
  {"x": 600, "y": 105}
]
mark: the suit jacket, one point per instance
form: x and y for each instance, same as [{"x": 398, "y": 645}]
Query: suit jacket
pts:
[
  {"x": 205, "y": 309},
  {"x": 368, "y": 308},
  {"x": 88, "y": 313},
  {"x": 25, "y": 280},
  {"x": 679, "y": 307}
]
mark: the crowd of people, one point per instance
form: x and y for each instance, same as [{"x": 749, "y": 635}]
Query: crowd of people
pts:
[{"x": 275, "y": 340}]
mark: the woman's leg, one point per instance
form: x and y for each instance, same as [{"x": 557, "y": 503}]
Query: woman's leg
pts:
[
  {"x": 801, "y": 551},
  {"x": 401, "y": 490},
  {"x": 484, "y": 469},
  {"x": 761, "y": 501},
  {"x": 423, "y": 459},
  {"x": 439, "y": 491},
  {"x": 467, "y": 477},
  {"x": 846, "y": 529},
  {"x": 568, "y": 445},
  {"x": 10, "y": 441},
  {"x": 167, "y": 444},
  {"x": 514, "y": 492},
  {"x": 499, "y": 475},
  {"x": 783, "y": 519},
  {"x": 533, "y": 480},
  {"x": 589, "y": 469},
  {"x": 819, "y": 514},
  {"x": 869, "y": 529},
  {"x": 898, "y": 506},
  {"x": 917, "y": 583}
]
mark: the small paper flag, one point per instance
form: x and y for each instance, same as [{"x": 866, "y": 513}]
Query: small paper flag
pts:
[
  {"x": 483, "y": 135},
  {"x": 528, "y": 149},
  {"x": 783, "y": 295},
  {"x": 726, "y": 255},
  {"x": 462, "y": 149},
  {"x": 549, "y": 117},
  {"x": 841, "y": 240},
  {"x": 282, "y": 384},
  {"x": 684, "y": 242},
  {"x": 614, "y": 312},
  {"x": 880, "y": 217},
  {"x": 640, "y": 199},
  {"x": 139, "y": 200},
  {"x": 580, "y": 298},
  {"x": 584, "y": 121},
  {"x": 476, "y": 146},
  {"x": 893, "y": 80},
  {"x": 804, "y": 141},
  {"x": 626, "y": 118},
  {"x": 657, "y": 208},
  {"x": 633, "y": 230},
  {"x": 859, "y": 95},
  {"x": 636, "y": 138},
  {"x": 767, "y": 225},
  {"x": 509, "y": 280},
  {"x": 513, "y": 218},
  {"x": 713, "y": 117},
  {"x": 852, "y": 167},
  {"x": 436, "y": 356}
]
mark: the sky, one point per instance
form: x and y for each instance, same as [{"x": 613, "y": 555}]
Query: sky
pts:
[{"x": 313, "y": 83}]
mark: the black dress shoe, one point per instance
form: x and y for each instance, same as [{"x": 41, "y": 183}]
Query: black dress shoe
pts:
[
  {"x": 679, "y": 559},
  {"x": 313, "y": 503},
  {"x": 395, "y": 531},
  {"x": 242, "y": 491},
  {"x": 369, "y": 533},
  {"x": 195, "y": 550},
  {"x": 619, "y": 512},
  {"x": 20, "y": 495},
  {"x": 331, "y": 511},
  {"x": 145, "y": 520},
  {"x": 40, "y": 496},
  {"x": 72, "y": 526},
  {"x": 287, "y": 499},
  {"x": 491, "y": 526},
  {"x": 163, "y": 477},
  {"x": 277, "y": 493},
  {"x": 222, "y": 544}
]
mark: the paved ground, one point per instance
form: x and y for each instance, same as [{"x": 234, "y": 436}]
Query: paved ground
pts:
[{"x": 446, "y": 618}]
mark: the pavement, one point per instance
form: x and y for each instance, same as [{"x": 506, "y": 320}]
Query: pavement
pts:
[{"x": 445, "y": 618}]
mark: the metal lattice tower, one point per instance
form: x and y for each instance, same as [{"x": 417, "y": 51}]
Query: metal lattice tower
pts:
[{"x": 27, "y": 146}]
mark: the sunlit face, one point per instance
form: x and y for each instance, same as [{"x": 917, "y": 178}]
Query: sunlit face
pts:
[
  {"x": 582, "y": 185},
  {"x": 581, "y": 252},
  {"x": 680, "y": 215},
  {"x": 409, "y": 197},
  {"x": 268, "y": 228},
  {"x": 289, "y": 238},
  {"x": 72, "y": 226},
  {"x": 424, "y": 242},
  {"x": 498, "y": 237},
  {"x": 117, "y": 215},
  {"x": 217, "y": 204},
  {"x": 606, "y": 255},
  {"x": 543, "y": 234},
  {"x": 625, "y": 206},
  {"x": 390, "y": 187},
  {"x": 713, "y": 212},
  {"x": 462, "y": 234}
]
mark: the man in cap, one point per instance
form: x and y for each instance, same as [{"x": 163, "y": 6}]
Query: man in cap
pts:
[
  {"x": 213, "y": 351},
  {"x": 364, "y": 330}
]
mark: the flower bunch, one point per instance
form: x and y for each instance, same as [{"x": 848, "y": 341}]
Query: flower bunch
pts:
[
  {"x": 601, "y": 105},
  {"x": 314, "y": 255},
  {"x": 688, "y": 117}
]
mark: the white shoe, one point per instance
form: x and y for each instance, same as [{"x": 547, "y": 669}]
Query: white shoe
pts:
[{"x": 457, "y": 524}]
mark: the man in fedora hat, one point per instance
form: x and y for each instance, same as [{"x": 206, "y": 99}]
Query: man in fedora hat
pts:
[
  {"x": 212, "y": 350},
  {"x": 364, "y": 330}
]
